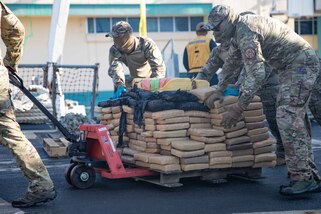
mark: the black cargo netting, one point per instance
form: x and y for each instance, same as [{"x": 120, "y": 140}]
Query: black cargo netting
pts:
[
  {"x": 141, "y": 101},
  {"x": 32, "y": 75},
  {"x": 78, "y": 83}
]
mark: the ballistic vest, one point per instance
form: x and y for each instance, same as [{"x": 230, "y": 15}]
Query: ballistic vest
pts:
[{"x": 198, "y": 52}]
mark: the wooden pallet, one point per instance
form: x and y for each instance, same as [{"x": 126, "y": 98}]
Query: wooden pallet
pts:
[
  {"x": 211, "y": 175},
  {"x": 55, "y": 147}
]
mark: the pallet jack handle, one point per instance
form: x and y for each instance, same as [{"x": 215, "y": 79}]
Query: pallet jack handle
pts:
[{"x": 18, "y": 82}]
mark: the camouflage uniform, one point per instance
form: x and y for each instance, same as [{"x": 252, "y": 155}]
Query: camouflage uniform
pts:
[
  {"x": 256, "y": 40},
  {"x": 11, "y": 136},
  {"x": 267, "y": 93},
  {"x": 144, "y": 60}
]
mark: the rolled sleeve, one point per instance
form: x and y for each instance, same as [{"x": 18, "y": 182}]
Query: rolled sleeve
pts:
[
  {"x": 12, "y": 34},
  {"x": 155, "y": 59},
  {"x": 116, "y": 70}
]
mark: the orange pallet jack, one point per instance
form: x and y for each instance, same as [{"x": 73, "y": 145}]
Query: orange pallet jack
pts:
[
  {"x": 101, "y": 157},
  {"x": 93, "y": 152}
]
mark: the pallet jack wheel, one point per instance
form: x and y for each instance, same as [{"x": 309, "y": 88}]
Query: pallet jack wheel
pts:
[
  {"x": 68, "y": 171},
  {"x": 82, "y": 177}
]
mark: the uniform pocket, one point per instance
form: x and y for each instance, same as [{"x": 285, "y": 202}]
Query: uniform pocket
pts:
[{"x": 299, "y": 91}]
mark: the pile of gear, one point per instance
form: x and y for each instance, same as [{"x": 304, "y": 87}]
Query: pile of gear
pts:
[
  {"x": 72, "y": 121},
  {"x": 25, "y": 110}
]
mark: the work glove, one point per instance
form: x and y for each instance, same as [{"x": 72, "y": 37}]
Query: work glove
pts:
[
  {"x": 217, "y": 95},
  {"x": 233, "y": 114},
  {"x": 231, "y": 90},
  {"x": 120, "y": 90}
]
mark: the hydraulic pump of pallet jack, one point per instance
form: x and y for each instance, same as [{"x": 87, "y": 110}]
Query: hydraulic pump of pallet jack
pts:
[{"x": 77, "y": 146}]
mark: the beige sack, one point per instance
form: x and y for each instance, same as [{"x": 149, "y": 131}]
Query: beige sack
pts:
[
  {"x": 168, "y": 141},
  {"x": 263, "y": 143},
  {"x": 254, "y": 119},
  {"x": 199, "y": 159},
  {"x": 242, "y": 158},
  {"x": 198, "y": 166},
  {"x": 253, "y": 113},
  {"x": 171, "y": 127},
  {"x": 265, "y": 149},
  {"x": 215, "y": 147},
  {"x": 217, "y": 154},
  {"x": 255, "y": 125},
  {"x": 228, "y": 100},
  {"x": 220, "y": 160},
  {"x": 236, "y": 133},
  {"x": 187, "y": 154},
  {"x": 208, "y": 139},
  {"x": 106, "y": 110},
  {"x": 162, "y": 160},
  {"x": 197, "y": 114},
  {"x": 167, "y": 114},
  {"x": 199, "y": 120},
  {"x": 173, "y": 120},
  {"x": 202, "y": 93},
  {"x": 128, "y": 109},
  {"x": 200, "y": 126},
  {"x": 187, "y": 145},
  {"x": 169, "y": 134},
  {"x": 206, "y": 132},
  {"x": 144, "y": 157},
  {"x": 257, "y": 131}
]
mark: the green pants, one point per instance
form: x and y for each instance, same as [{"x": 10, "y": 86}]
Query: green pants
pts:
[{"x": 12, "y": 137}]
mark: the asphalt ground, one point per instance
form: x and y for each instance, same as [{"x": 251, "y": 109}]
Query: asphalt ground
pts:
[{"x": 130, "y": 196}]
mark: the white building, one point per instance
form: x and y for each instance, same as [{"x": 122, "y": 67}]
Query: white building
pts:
[{"x": 90, "y": 20}]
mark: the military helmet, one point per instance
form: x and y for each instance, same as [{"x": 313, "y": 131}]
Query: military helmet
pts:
[
  {"x": 120, "y": 28},
  {"x": 216, "y": 16}
]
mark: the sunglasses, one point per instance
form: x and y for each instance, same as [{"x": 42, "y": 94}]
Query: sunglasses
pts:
[{"x": 217, "y": 27}]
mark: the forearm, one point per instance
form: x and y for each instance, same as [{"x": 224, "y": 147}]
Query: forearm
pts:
[
  {"x": 12, "y": 34},
  {"x": 117, "y": 74},
  {"x": 252, "y": 83}
]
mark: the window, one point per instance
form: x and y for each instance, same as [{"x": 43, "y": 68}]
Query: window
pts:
[
  {"x": 154, "y": 24},
  {"x": 166, "y": 24},
  {"x": 306, "y": 26},
  {"x": 90, "y": 25},
  {"x": 181, "y": 24},
  {"x": 134, "y": 22},
  {"x": 195, "y": 21},
  {"x": 114, "y": 20},
  {"x": 102, "y": 25}
]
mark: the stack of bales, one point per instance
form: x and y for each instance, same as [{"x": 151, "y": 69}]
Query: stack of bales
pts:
[
  {"x": 162, "y": 126},
  {"x": 110, "y": 116},
  {"x": 128, "y": 152},
  {"x": 263, "y": 144},
  {"x": 214, "y": 146},
  {"x": 237, "y": 141},
  {"x": 177, "y": 140},
  {"x": 248, "y": 142}
]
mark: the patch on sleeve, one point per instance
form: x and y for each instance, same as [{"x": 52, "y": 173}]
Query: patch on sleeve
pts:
[{"x": 250, "y": 53}]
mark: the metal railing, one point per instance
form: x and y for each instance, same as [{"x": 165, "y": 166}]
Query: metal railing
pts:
[
  {"x": 171, "y": 59},
  {"x": 78, "y": 82}
]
